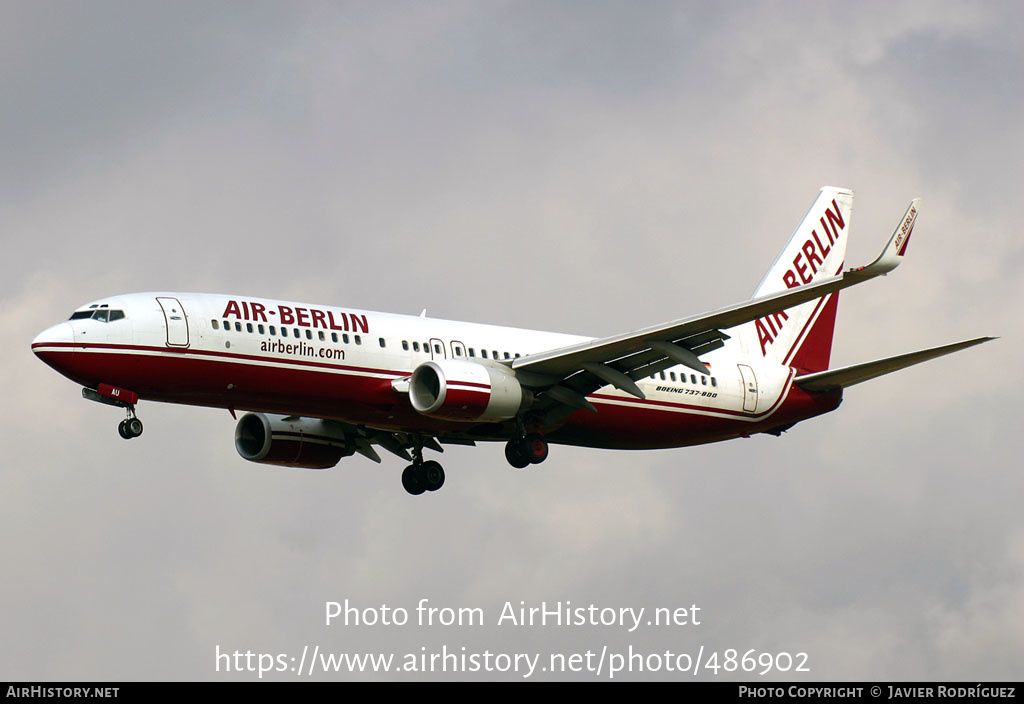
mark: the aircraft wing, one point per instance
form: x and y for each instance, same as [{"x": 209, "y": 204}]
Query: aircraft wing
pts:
[
  {"x": 572, "y": 372},
  {"x": 363, "y": 439}
]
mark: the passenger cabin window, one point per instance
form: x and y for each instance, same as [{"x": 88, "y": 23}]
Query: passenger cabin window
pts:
[
  {"x": 215, "y": 324},
  {"x": 472, "y": 352},
  {"x": 273, "y": 330},
  {"x": 405, "y": 345},
  {"x": 693, "y": 378},
  {"x": 295, "y": 331},
  {"x": 238, "y": 327},
  {"x": 415, "y": 347},
  {"x": 508, "y": 356},
  {"x": 437, "y": 349},
  {"x": 261, "y": 328},
  {"x": 483, "y": 353},
  {"x": 672, "y": 376},
  {"x": 309, "y": 334},
  {"x": 248, "y": 327},
  {"x": 704, "y": 380},
  {"x": 334, "y": 337},
  {"x": 344, "y": 337},
  {"x": 381, "y": 342},
  {"x": 713, "y": 382},
  {"x": 322, "y": 336},
  {"x": 359, "y": 340}
]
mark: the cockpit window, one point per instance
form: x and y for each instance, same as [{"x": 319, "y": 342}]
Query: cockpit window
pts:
[{"x": 101, "y": 314}]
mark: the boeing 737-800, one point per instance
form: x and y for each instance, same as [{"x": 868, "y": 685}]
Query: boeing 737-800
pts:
[{"x": 319, "y": 383}]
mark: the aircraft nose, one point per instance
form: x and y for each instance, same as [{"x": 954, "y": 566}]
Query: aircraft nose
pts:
[{"x": 59, "y": 335}]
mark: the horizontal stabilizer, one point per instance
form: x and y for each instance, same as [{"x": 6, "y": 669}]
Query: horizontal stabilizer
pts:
[{"x": 848, "y": 376}]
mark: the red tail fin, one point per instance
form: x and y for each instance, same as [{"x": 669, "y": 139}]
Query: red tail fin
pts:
[{"x": 812, "y": 354}]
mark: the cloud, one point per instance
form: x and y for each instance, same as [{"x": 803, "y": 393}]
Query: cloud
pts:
[{"x": 589, "y": 170}]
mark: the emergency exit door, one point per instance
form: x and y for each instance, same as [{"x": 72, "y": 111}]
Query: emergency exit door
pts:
[{"x": 749, "y": 388}]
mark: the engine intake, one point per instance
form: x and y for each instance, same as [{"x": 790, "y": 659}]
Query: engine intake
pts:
[
  {"x": 309, "y": 443},
  {"x": 459, "y": 390}
]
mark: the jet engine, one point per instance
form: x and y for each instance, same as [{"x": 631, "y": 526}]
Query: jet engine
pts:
[
  {"x": 460, "y": 390},
  {"x": 289, "y": 441}
]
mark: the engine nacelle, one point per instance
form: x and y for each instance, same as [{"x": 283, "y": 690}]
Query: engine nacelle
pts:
[
  {"x": 455, "y": 389},
  {"x": 309, "y": 443}
]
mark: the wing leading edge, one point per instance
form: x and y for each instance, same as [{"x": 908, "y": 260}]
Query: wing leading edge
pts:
[{"x": 621, "y": 359}]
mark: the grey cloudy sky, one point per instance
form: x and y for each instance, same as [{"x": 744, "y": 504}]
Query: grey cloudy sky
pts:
[{"x": 583, "y": 167}]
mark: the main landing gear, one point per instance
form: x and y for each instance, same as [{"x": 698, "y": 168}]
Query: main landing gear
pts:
[
  {"x": 130, "y": 427},
  {"x": 530, "y": 448},
  {"x": 422, "y": 476}
]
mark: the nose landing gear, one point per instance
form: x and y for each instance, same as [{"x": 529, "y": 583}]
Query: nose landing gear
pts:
[{"x": 130, "y": 427}]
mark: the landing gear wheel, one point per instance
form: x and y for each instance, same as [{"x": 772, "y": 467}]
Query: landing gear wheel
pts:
[
  {"x": 433, "y": 475},
  {"x": 122, "y": 430},
  {"x": 133, "y": 426},
  {"x": 515, "y": 453},
  {"x": 535, "y": 447},
  {"x": 413, "y": 480}
]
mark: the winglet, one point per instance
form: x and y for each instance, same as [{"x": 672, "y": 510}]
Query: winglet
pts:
[{"x": 892, "y": 255}]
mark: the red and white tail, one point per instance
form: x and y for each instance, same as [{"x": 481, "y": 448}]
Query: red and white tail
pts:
[{"x": 802, "y": 336}]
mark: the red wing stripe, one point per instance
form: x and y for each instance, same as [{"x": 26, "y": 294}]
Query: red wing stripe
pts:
[{"x": 907, "y": 240}]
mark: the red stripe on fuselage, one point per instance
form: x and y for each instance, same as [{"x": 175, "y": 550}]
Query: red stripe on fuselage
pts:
[
  {"x": 643, "y": 428},
  {"x": 351, "y": 394},
  {"x": 211, "y": 353},
  {"x": 691, "y": 407}
]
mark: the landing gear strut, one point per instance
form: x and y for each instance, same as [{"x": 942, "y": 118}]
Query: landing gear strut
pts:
[
  {"x": 530, "y": 448},
  {"x": 422, "y": 476},
  {"x": 130, "y": 427}
]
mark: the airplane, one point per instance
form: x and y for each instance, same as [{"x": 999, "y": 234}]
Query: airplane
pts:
[{"x": 319, "y": 383}]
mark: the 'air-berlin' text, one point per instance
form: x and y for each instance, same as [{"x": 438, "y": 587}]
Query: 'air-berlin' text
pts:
[{"x": 303, "y": 317}]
